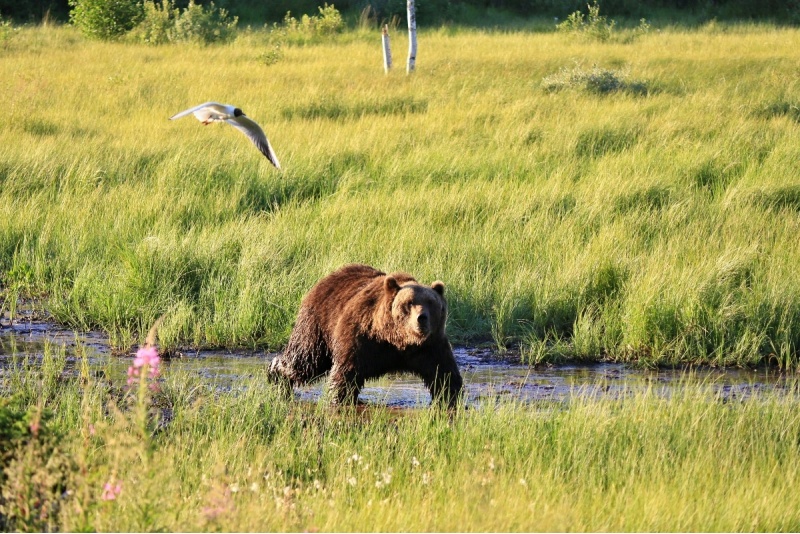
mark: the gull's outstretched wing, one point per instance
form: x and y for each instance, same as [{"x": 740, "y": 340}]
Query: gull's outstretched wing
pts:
[
  {"x": 210, "y": 109},
  {"x": 254, "y": 132}
]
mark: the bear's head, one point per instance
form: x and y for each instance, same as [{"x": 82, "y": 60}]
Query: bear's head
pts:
[{"x": 418, "y": 312}]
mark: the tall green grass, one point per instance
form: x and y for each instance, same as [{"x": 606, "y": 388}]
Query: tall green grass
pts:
[
  {"x": 250, "y": 460},
  {"x": 658, "y": 226}
]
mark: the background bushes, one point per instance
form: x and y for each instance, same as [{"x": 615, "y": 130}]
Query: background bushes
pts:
[
  {"x": 437, "y": 11},
  {"x": 163, "y": 23},
  {"x": 105, "y": 19}
]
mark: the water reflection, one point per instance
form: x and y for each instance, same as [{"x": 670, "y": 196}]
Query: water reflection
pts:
[{"x": 487, "y": 378}]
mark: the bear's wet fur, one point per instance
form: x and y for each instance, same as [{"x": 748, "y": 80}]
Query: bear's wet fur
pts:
[{"x": 360, "y": 323}]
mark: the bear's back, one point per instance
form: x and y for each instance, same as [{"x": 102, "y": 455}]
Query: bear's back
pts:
[{"x": 341, "y": 285}]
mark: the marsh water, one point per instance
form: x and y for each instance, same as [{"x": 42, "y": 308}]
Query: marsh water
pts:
[{"x": 489, "y": 377}]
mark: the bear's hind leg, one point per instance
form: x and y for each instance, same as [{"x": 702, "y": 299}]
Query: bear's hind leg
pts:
[
  {"x": 306, "y": 357},
  {"x": 344, "y": 385}
]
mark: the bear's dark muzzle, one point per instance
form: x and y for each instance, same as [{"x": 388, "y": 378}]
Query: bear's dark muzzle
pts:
[{"x": 423, "y": 324}]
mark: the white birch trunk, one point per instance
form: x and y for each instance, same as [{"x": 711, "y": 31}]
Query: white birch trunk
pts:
[
  {"x": 387, "y": 50},
  {"x": 412, "y": 36}
]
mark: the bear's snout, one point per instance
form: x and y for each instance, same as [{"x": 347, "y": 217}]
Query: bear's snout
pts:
[{"x": 422, "y": 324}]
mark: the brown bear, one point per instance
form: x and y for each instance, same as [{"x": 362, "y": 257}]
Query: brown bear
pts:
[{"x": 360, "y": 323}]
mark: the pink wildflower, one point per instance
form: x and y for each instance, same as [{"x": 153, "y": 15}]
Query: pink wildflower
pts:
[
  {"x": 34, "y": 427},
  {"x": 111, "y": 491},
  {"x": 147, "y": 356},
  {"x": 133, "y": 373}
]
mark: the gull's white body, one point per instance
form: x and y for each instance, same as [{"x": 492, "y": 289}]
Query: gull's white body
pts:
[{"x": 216, "y": 112}]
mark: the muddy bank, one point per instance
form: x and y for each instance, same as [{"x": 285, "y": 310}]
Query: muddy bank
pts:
[{"x": 489, "y": 378}]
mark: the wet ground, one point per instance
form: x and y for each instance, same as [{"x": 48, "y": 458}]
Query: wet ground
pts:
[{"x": 488, "y": 377}]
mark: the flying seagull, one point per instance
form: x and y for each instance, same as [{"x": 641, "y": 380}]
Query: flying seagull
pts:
[{"x": 215, "y": 112}]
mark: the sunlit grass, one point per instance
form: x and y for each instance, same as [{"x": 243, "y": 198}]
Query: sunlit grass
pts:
[
  {"x": 660, "y": 228},
  {"x": 249, "y": 460}
]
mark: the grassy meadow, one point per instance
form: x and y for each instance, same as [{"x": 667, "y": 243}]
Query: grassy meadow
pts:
[
  {"x": 91, "y": 456},
  {"x": 657, "y": 223}
]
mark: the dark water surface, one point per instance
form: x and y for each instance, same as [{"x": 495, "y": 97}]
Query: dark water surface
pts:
[{"x": 487, "y": 376}]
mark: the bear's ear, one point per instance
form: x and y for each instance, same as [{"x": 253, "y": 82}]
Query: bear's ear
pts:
[
  {"x": 391, "y": 285},
  {"x": 438, "y": 286}
]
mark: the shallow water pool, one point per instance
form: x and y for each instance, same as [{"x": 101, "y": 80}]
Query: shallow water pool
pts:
[{"x": 488, "y": 377}]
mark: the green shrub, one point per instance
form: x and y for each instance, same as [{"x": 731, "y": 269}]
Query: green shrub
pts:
[
  {"x": 594, "y": 25},
  {"x": 105, "y": 19},
  {"x": 641, "y": 29},
  {"x": 158, "y": 23},
  {"x": 14, "y": 425},
  {"x": 33, "y": 471},
  {"x": 597, "y": 27},
  {"x": 271, "y": 56},
  {"x": 595, "y": 80},
  {"x": 328, "y": 22},
  {"x": 205, "y": 25},
  {"x": 5, "y": 31},
  {"x": 164, "y": 23}
]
